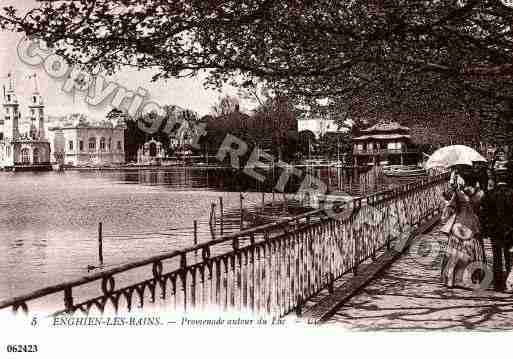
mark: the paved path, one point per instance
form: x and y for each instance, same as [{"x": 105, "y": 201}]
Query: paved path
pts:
[{"x": 409, "y": 296}]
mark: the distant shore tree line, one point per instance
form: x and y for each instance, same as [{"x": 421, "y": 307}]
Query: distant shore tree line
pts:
[{"x": 271, "y": 127}]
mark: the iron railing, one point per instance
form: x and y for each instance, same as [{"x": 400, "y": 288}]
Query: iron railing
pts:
[{"x": 270, "y": 269}]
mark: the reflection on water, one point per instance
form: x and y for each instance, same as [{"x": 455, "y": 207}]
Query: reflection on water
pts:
[
  {"x": 49, "y": 221},
  {"x": 48, "y": 227}
]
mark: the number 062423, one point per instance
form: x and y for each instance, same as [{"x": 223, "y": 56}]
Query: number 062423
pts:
[{"x": 22, "y": 348}]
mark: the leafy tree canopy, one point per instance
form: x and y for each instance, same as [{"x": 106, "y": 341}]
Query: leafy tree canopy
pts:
[{"x": 393, "y": 54}]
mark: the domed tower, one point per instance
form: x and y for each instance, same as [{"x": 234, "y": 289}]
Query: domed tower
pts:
[
  {"x": 12, "y": 113},
  {"x": 37, "y": 113}
]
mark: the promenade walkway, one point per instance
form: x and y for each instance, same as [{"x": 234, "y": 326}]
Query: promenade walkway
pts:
[{"x": 409, "y": 296}]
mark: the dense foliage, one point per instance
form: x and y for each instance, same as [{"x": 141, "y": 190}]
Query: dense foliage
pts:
[
  {"x": 375, "y": 56},
  {"x": 271, "y": 127}
]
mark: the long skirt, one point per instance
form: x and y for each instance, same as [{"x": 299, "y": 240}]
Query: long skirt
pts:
[{"x": 464, "y": 263}]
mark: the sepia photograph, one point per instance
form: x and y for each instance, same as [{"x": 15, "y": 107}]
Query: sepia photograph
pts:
[{"x": 280, "y": 166}]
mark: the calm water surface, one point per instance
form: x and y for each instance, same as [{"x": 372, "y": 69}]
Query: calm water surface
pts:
[{"x": 49, "y": 221}]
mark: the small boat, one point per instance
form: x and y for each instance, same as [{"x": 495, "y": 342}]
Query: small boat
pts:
[{"x": 403, "y": 171}]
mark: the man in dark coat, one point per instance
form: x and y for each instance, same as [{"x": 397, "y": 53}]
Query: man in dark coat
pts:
[{"x": 497, "y": 223}]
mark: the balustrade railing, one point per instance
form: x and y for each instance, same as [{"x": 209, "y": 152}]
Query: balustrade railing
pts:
[{"x": 271, "y": 269}]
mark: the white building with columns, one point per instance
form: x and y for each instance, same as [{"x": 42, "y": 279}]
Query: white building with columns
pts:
[{"x": 78, "y": 141}]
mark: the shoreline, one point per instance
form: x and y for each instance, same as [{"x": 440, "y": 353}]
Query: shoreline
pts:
[{"x": 182, "y": 166}]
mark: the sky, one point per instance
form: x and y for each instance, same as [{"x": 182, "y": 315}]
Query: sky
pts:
[{"x": 186, "y": 93}]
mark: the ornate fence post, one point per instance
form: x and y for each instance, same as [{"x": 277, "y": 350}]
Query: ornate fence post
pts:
[
  {"x": 299, "y": 306},
  {"x": 183, "y": 275},
  {"x": 331, "y": 283},
  {"x": 235, "y": 269},
  {"x": 68, "y": 300},
  {"x": 100, "y": 243},
  {"x": 356, "y": 238}
]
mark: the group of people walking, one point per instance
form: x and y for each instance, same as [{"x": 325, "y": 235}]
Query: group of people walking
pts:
[{"x": 479, "y": 207}]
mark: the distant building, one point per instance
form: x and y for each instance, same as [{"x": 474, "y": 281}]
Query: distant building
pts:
[
  {"x": 151, "y": 153},
  {"x": 184, "y": 136},
  {"x": 19, "y": 149},
  {"x": 320, "y": 127},
  {"x": 79, "y": 142},
  {"x": 385, "y": 141}
]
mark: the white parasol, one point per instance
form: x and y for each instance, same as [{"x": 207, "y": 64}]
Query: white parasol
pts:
[{"x": 454, "y": 155}]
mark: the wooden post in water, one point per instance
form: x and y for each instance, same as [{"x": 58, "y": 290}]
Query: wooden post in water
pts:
[
  {"x": 241, "y": 219},
  {"x": 221, "y": 213},
  {"x": 351, "y": 181},
  {"x": 375, "y": 175},
  {"x": 212, "y": 221},
  {"x": 100, "y": 242},
  {"x": 195, "y": 232}
]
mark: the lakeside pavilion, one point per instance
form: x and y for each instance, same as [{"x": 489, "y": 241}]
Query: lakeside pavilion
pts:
[{"x": 385, "y": 141}]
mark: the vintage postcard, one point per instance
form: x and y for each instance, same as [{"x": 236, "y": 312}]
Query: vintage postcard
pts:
[{"x": 201, "y": 173}]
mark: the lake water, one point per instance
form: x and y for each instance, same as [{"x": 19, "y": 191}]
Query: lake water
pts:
[{"x": 49, "y": 221}]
